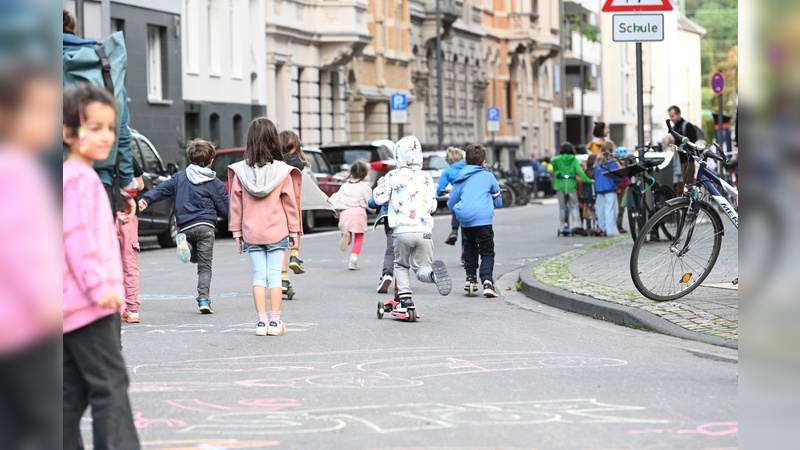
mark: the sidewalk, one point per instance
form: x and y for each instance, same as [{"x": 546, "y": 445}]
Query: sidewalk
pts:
[{"x": 595, "y": 280}]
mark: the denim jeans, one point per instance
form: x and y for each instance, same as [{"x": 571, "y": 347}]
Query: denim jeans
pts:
[
  {"x": 201, "y": 238},
  {"x": 267, "y": 261},
  {"x": 569, "y": 215},
  {"x": 479, "y": 241},
  {"x": 95, "y": 375},
  {"x": 607, "y": 209}
]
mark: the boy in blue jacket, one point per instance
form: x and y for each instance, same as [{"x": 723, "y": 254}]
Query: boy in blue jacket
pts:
[
  {"x": 474, "y": 196},
  {"x": 200, "y": 197},
  {"x": 606, "y": 189},
  {"x": 455, "y": 157}
]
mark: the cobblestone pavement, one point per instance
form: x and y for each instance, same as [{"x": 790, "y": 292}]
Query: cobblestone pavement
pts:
[{"x": 601, "y": 271}]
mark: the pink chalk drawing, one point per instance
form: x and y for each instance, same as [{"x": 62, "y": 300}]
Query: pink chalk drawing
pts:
[
  {"x": 271, "y": 404},
  {"x": 260, "y": 404},
  {"x": 706, "y": 429},
  {"x": 140, "y": 422}
]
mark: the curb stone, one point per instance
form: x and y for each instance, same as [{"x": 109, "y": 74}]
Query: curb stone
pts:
[{"x": 614, "y": 312}]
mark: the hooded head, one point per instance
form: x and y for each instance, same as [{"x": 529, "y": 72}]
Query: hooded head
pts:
[{"x": 408, "y": 152}]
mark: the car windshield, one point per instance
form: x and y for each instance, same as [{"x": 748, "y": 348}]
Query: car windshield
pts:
[
  {"x": 339, "y": 156},
  {"x": 434, "y": 163},
  {"x": 223, "y": 160}
]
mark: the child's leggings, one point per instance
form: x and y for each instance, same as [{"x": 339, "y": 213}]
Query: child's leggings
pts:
[
  {"x": 568, "y": 209},
  {"x": 267, "y": 267},
  {"x": 358, "y": 240}
]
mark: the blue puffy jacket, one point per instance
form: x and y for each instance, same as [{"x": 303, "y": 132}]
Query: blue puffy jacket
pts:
[
  {"x": 604, "y": 184},
  {"x": 472, "y": 197},
  {"x": 449, "y": 176},
  {"x": 196, "y": 202}
]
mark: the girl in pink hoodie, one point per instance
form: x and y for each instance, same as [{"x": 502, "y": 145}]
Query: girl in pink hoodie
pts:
[
  {"x": 94, "y": 371},
  {"x": 265, "y": 217}
]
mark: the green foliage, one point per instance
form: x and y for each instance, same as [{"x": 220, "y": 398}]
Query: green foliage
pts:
[{"x": 720, "y": 18}]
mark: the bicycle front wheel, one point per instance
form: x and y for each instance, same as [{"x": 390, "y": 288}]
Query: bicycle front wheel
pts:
[{"x": 667, "y": 269}]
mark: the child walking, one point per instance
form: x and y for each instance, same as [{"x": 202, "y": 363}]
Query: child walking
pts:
[
  {"x": 474, "y": 196},
  {"x": 200, "y": 198},
  {"x": 128, "y": 235},
  {"x": 454, "y": 157},
  {"x": 565, "y": 168},
  {"x": 292, "y": 155},
  {"x": 94, "y": 370},
  {"x": 412, "y": 197},
  {"x": 606, "y": 188},
  {"x": 353, "y": 200},
  {"x": 265, "y": 217}
]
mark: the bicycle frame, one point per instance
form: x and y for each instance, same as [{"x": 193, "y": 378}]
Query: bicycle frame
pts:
[{"x": 710, "y": 181}]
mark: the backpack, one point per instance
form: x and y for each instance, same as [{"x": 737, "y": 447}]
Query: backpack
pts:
[
  {"x": 104, "y": 66},
  {"x": 700, "y": 135}
]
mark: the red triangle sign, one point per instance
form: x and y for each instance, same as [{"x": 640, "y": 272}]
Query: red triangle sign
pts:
[{"x": 636, "y": 5}]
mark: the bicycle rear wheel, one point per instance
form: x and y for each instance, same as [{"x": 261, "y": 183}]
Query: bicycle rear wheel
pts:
[
  {"x": 667, "y": 269},
  {"x": 509, "y": 198},
  {"x": 636, "y": 211}
]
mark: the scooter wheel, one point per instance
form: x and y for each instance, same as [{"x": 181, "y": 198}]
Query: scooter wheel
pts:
[
  {"x": 411, "y": 314},
  {"x": 380, "y": 310}
]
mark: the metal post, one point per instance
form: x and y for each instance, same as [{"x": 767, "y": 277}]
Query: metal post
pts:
[
  {"x": 563, "y": 74},
  {"x": 390, "y": 119},
  {"x": 79, "y": 17},
  {"x": 401, "y": 133},
  {"x": 639, "y": 95},
  {"x": 440, "y": 111},
  {"x": 583, "y": 83},
  {"x": 494, "y": 152}
]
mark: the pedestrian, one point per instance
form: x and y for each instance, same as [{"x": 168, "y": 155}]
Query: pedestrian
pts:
[
  {"x": 411, "y": 195},
  {"x": 694, "y": 134},
  {"x": 565, "y": 169},
  {"x": 588, "y": 197},
  {"x": 620, "y": 153},
  {"x": 600, "y": 133},
  {"x": 606, "y": 190},
  {"x": 94, "y": 370},
  {"x": 200, "y": 197},
  {"x": 293, "y": 155},
  {"x": 352, "y": 199},
  {"x": 265, "y": 217},
  {"x": 128, "y": 234},
  {"x": 668, "y": 144},
  {"x": 473, "y": 199},
  {"x": 455, "y": 158}
]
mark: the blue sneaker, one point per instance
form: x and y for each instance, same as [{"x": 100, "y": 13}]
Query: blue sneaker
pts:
[
  {"x": 261, "y": 329},
  {"x": 205, "y": 306},
  {"x": 184, "y": 249}
]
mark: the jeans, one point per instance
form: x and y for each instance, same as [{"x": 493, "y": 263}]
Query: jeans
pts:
[
  {"x": 568, "y": 209},
  {"x": 388, "y": 257},
  {"x": 128, "y": 235},
  {"x": 479, "y": 241},
  {"x": 412, "y": 251},
  {"x": 454, "y": 222},
  {"x": 607, "y": 209},
  {"x": 201, "y": 238},
  {"x": 95, "y": 375},
  {"x": 267, "y": 261}
]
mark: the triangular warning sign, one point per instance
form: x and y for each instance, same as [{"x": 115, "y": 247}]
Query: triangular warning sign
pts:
[{"x": 636, "y": 5}]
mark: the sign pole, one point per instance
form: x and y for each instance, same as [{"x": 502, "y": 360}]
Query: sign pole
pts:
[{"x": 639, "y": 95}]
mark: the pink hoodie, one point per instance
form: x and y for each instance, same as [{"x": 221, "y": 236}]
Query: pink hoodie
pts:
[{"x": 92, "y": 261}]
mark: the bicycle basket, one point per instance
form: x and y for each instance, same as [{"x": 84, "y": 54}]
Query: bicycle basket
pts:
[{"x": 627, "y": 167}]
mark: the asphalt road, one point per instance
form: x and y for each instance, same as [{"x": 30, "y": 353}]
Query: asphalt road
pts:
[{"x": 472, "y": 373}]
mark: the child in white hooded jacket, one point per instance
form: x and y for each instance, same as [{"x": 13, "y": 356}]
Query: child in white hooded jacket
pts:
[{"x": 411, "y": 195}]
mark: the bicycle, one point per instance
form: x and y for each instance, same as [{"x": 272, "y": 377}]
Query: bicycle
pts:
[
  {"x": 645, "y": 196},
  {"x": 670, "y": 268}
]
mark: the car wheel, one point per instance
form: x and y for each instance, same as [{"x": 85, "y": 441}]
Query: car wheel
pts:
[
  {"x": 309, "y": 222},
  {"x": 167, "y": 238}
]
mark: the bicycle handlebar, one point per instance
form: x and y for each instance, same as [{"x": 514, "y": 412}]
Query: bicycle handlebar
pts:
[{"x": 702, "y": 153}]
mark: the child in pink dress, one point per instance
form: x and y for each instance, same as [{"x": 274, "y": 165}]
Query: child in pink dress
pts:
[
  {"x": 93, "y": 296},
  {"x": 352, "y": 199}
]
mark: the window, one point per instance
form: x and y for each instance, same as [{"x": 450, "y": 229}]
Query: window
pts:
[
  {"x": 190, "y": 20},
  {"x": 594, "y": 70},
  {"x": 508, "y": 100},
  {"x": 535, "y": 6},
  {"x": 155, "y": 63},
  {"x": 151, "y": 162},
  {"x": 321, "y": 163},
  {"x": 557, "y": 77},
  {"x": 213, "y": 125},
  {"x": 237, "y": 131},
  {"x": 213, "y": 36},
  {"x": 117, "y": 25},
  {"x": 136, "y": 154}
]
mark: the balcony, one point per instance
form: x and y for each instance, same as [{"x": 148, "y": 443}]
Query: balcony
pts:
[
  {"x": 581, "y": 50},
  {"x": 592, "y": 103},
  {"x": 450, "y": 11}
]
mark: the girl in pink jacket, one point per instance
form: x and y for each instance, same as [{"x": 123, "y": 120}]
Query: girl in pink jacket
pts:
[
  {"x": 265, "y": 217},
  {"x": 94, "y": 371}
]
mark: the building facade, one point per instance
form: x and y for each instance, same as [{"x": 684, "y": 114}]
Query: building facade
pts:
[
  {"x": 152, "y": 30},
  {"x": 582, "y": 78}
]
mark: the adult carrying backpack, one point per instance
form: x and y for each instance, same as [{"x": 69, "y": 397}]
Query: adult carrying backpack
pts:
[
  {"x": 104, "y": 66},
  {"x": 700, "y": 135}
]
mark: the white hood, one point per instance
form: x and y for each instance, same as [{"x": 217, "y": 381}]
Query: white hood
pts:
[{"x": 260, "y": 181}]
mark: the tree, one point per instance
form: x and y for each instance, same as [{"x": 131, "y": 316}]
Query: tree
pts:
[{"x": 720, "y": 19}]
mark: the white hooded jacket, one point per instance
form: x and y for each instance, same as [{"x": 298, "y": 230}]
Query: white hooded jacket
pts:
[{"x": 409, "y": 190}]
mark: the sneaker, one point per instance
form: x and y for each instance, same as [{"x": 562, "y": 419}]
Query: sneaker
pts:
[
  {"x": 383, "y": 285},
  {"x": 566, "y": 231},
  {"x": 441, "y": 277},
  {"x": 404, "y": 305},
  {"x": 451, "y": 240},
  {"x": 470, "y": 281},
  {"x": 184, "y": 249},
  {"x": 285, "y": 285},
  {"x": 205, "y": 306},
  {"x": 130, "y": 317},
  {"x": 276, "y": 328},
  {"x": 352, "y": 265},
  {"x": 261, "y": 329},
  {"x": 488, "y": 289},
  {"x": 296, "y": 264},
  {"x": 344, "y": 242}
]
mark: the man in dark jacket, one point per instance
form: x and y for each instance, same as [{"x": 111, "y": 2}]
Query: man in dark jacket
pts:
[
  {"x": 200, "y": 197},
  {"x": 685, "y": 128}
]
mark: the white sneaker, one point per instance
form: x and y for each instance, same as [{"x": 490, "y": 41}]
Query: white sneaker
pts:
[
  {"x": 383, "y": 285},
  {"x": 344, "y": 242},
  {"x": 261, "y": 329},
  {"x": 183, "y": 247},
  {"x": 488, "y": 289},
  {"x": 276, "y": 328}
]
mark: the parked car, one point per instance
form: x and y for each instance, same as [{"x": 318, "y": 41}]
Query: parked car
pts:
[
  {"x": 318, "y": 164},
  {"x": 434, "y": 162},
  {"x": 159, "y": 219},
  {"x": 378, "y": 154}
]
